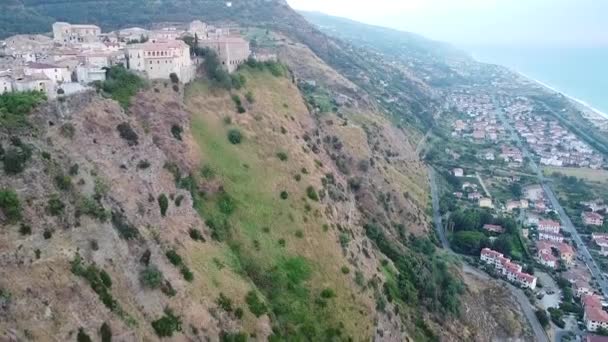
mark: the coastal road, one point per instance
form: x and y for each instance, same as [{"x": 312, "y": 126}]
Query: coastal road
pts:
[
  {"x": 567, "y": 224},
  {"x": 523, "y": 301}
]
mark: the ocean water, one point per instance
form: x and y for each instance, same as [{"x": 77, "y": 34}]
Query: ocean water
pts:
[{"x": 581, "y": 73}]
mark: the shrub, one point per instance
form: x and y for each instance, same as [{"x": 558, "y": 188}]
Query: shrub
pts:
[
  {"x": 15, "y": 159},
  {"x": 543, "y": 319},
  {"x": 125, "y": 229},
  {"x": 344, "y": 240},
  {"x": 143, "y": 164},
  {"x": 15, "y": 106},
  {"x": 196, "y": 235},
  {"x": 105, "y": 278},
  {"x": 46, "y": 155},
  {"x": 74, "y": 170},
  {"x": 82, "y": 336},
  {"x": 163, "y": 203},
  {"x": 226, "y": 204},
  {"x": 284, "y": 195},
  {"x": 224, "y": 302},
  {"x": 63, "y": 182},
  {"x": 178, "y": 200},
  {"x": 186, "y": 273},
  {"x": 168, "y": 289},
  {"x": 256, "y": 306},
  {"x": 121, "y": 85},
  {"x": 238, "y": 313},
  {"x": 233, "y": 337},
  {"x": 282, "y": 156},
  {"x": 177, "y": 131},
  {"x": 167, "y": 325},
  {"x": 312, "y": 193},
  {"x": 47, "y": 234},
  {"x": 54, "y": 206},
  {"x": 90, "y": 207},
  {"x": 328, "y": 293},
  {"x": 128, "y": 134},
  {"x": 299, "y": 233},
  {"x": 25, "y": 229},
  {"x": 173, "y": 77},
  {"x": 10, "y": 205},
  {"x": 345, "y": 270},
  {"x": 173, "y": 257},
  {"x": 105, "y": 332},
  {"x": 234, "y": 136},
  {"x": 151, "y": 277},
  {"x": 249, "y": 97}
]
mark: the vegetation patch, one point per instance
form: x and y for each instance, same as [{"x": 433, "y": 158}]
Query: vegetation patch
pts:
[
  {"x": 120, "y": 84},
  {"x": 167, "y": 325},
  {"x": 15, "y": 106},
  {"x": 10, "y": 205},
  {"x": 126, "y": 132}
]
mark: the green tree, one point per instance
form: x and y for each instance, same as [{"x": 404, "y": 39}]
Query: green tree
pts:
[
  {"x": 10, "y": 205},
  {"x": 469, "y": 242}
]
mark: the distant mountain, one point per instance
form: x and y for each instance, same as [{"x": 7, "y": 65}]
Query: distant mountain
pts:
[{"x": 389, "y": 41}]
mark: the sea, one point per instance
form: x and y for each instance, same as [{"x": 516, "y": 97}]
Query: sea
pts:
[{"x": 579, "y": 73}]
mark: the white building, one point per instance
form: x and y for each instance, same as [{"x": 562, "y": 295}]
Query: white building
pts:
[
  {"x": 57, "y": 74},
  {"x": 160, "y": 59},
  {"x": 231, "y": 51},
  {"x": 67, "y": 33}
]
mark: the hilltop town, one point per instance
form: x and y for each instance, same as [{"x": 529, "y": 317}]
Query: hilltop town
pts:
[{"x": 78, "y": 55}]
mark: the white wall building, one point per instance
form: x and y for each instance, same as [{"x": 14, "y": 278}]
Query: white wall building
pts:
[
  {"x": 67, "y": 33},
  {"x": 160, "y": 59},
  {"x": 57, "y": 74}
]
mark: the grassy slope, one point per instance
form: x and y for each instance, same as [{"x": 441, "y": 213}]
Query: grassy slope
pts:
[{"x": 253, "y": 176}]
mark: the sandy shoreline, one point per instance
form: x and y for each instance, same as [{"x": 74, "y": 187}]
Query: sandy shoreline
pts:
[{"x": 596, "y": 116}]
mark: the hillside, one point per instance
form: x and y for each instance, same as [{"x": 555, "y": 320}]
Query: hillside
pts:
[{"x": 292, "y": 208}]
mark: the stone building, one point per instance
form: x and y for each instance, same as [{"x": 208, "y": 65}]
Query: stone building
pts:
[
  {"x": 67, "y": 33},
  {"x": 160, "y": 59},
  {"x": 231, "y": 51}
]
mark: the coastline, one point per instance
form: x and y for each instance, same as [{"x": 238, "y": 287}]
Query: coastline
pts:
[{"x": 596, "y": 116}]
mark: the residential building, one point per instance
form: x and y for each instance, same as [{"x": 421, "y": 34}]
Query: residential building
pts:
[
  {"x": 158, "y": 60},
  {"x": 458, "y": 172},
  {"x": 67, "y": 33},
  {"x": 549, "y": 226},
  {"x": 492, "y": 228},
  {"x": 57, "y": 74},
  {"x": 594, "y": 315},
  {"x": 511, "y": 271},
  {"x": 548, "y": 260},
  {"x": 550, "y": 236},
  {"x": 485, "y": 203},
  {"x": 592, "y": 219}
]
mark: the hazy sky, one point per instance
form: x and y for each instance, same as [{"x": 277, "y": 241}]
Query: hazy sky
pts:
[{"x": 481, "y": 22}]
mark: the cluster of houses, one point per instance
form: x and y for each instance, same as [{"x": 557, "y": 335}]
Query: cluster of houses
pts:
[
  {"x": 77, "y": 55},
  {"x": 552, "y": 143},
  {"x": 508, "y": 269},
  {"x": 470, "y": 192}
]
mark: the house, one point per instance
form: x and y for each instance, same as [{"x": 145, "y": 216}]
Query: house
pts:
[
  {"x": 57, "y": 74},
  {"x": 458, "y": 172},
  {"x": 67, "y": 33},
  {"x": 549, "y": 226},
  {"x": 550, "y": 237},
  {"x": 566, "y": 252},
  {"x": 548, "y": 260},
  {"x": 492, "y": 228},
  {"x": 474, "y": 196},
  {"x": 485, "y": 203},
  {"x": 602, "y": 241},
  {"x": 511, "y": 271},
  {"x": 531, "y": 220},
  {"x": 594, "y": 315},
  {"x": 511, "y": 205},
  {"x": 540, "y": 206},
  {"x": 232, "y": 51},
  {"x": 593, "y": 219},
  {"x": 158, "y": 60}
]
